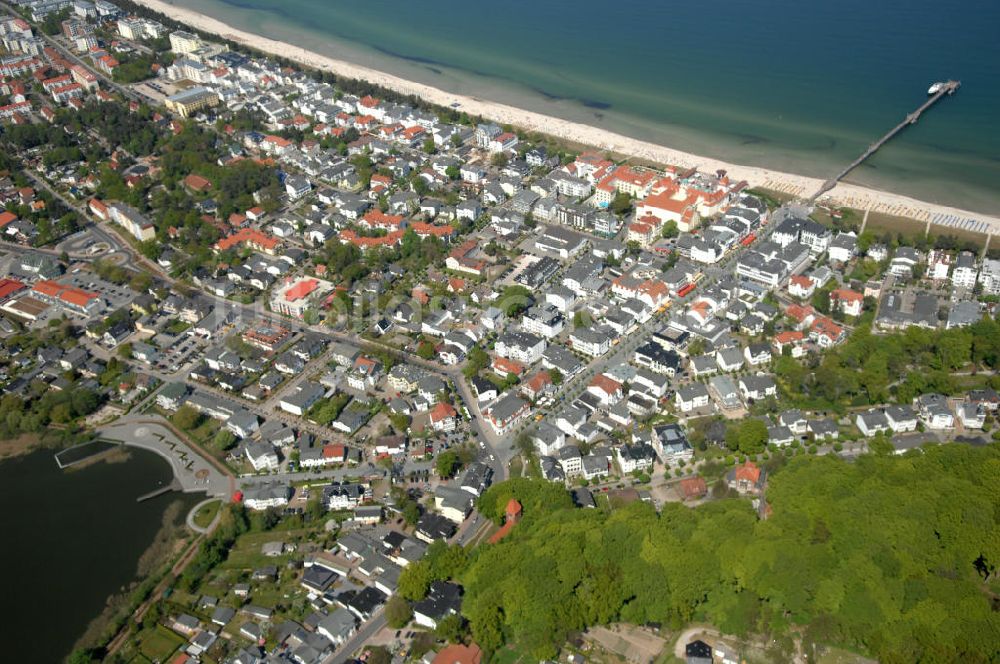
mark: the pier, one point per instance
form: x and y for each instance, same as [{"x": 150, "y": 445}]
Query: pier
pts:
[
  {"x": 173, "y": 486},
  {"x": 947, "y": 88}
]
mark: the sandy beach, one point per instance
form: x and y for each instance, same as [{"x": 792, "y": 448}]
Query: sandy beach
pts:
[{"x": 844, "y": 195}]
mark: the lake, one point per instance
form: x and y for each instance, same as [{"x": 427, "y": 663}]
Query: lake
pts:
[{"x": 72, "y": 539}]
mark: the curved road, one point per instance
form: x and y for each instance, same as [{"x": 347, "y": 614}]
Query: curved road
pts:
[{"x": 194, "y": 510}]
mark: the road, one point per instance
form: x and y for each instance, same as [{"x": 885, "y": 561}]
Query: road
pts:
[
  {"x": 349, "y": 647},
  {"x": 501, "y": 451}
]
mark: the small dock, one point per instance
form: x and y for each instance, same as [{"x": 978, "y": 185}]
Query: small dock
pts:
[
  {"x": 173, "y": 486},
  {"x": 947, "y": 88}
]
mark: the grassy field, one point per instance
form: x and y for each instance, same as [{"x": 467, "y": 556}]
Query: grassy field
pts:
[
  {"x": 881, "y": 223},
  {"x": 246, "y": 554},
  {"x": 157, "y": 645},
  {"x": 206, "y": 513},
  {"x": 516, "y": 466}
]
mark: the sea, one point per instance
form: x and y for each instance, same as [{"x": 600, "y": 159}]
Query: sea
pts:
[
  {"x": 797, "y": 85},
  {"x": 71, "y": 539}
]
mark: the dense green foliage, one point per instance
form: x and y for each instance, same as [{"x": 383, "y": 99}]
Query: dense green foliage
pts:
[
  {"x": 325, "y": 411},
  {"x": 872, "y": 369},
  {"x": 215, "y": 548},
  {"x": 748, "y": 436},
  {"x": 441, "y": 563},
  {"x": 135, "y": 69},
  {"x": 52, "y": 407},
  {"x": 135, "y": 131},
  {"x": 886, "y": 555}
]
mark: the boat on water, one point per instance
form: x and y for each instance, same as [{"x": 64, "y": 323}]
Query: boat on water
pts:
[{"x": 934, "y": 89}]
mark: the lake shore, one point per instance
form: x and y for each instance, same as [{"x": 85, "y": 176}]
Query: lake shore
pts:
[
  {"x": 844, "y": 195},
  {"x": 23, "y": 444},
  {"x": 156, "y": 560}
]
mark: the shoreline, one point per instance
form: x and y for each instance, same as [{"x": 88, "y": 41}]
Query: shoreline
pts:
[
  {"x": 158, "y": 556},
  {"x": 21, "y": 445},
  {"x": 800, "y": 186}
]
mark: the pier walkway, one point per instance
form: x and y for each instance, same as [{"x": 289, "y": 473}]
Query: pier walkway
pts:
[{"x": 947, "y": 88}]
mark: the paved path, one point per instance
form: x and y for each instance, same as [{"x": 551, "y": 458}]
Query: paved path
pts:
[
  {"x": 367, "y": 630},
  {"x": 194, "y": 510},
  {"x": 193, "y": 472}
]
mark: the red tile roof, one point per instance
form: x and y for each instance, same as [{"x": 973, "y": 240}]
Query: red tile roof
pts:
[
  {"x": 507, "y": 366},
  {"x": 442, "y": 411},
  {"x": 197, "y": 182},
  {"x": 252, "y": 237},
  {"x": 374, "y": 218},
  {"x": 459, "y": 654},
  {"x": 8, "y": 287},
  {"x": 301, "y": 289},
  {"x": 788, "y": 337},
  {"x": 607, "y": 385},
  {"x": 693, "y": 487},
  {"x": 847, "y": 295},
  {"x": 748, "y": 472}
]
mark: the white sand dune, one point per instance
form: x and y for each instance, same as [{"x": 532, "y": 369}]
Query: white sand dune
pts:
[{"x": 846, "y": 195}]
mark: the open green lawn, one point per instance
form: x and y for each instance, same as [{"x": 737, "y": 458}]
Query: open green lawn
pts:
[
  {"x": 509, "y": 656},
  {"x": 246, "y": 554},
  {"x": 177, "y": 326},
  {"x": 206, "y": 513},
  {"x": 158, "y": 644}
]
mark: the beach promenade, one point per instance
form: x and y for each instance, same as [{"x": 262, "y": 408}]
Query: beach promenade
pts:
[{"x": 798, "y": 186}]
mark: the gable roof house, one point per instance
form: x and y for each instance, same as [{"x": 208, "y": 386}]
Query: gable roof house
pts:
[
  {"x": 757, "y": 387},
  {"x": 691, "y": 396}
]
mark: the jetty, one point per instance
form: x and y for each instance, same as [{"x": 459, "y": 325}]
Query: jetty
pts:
[
  {"x": 945, "y": 88},
  {"x": 175, "y": 485}
]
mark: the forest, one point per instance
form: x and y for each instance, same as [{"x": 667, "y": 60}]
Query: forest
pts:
[
  {"x": 893, "y": 557},
  {"x": 873, "y": 369}
]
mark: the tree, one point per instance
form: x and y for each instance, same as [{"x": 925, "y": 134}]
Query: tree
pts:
[
  {"x": 425, "y": 349},
  {"x": 748, "y": 437},
  {"x": 397, "y": 612},
  {"x": 400, "y": 422},
  {"x": 525, "y": 446},
  {"x": 429, "y": 146},
  {"x": 411, "y": 512},
  {"x": 224, "y": 439},
  {"x": 477, "y": 360},
  {"x": 414, "y": 581},
  {"x": 451, "y": 628},
  {"x": 622, "y": 204},
  {"x": 799, "y": 568},
  {"x": 187, "y": 418},
  {"x": 81, "y": 656},
  {"x": 514, "y": 300},
  {"x": 446, "y": 464},
  {"x": 556, "y": 376},
  {"x": 670, "y": 229}
]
